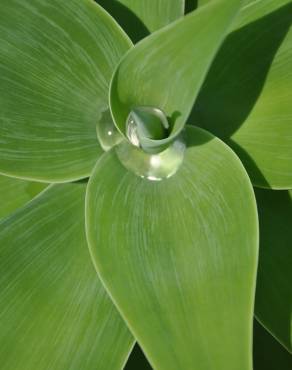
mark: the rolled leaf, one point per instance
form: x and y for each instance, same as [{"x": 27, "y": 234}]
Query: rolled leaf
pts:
[
  {"x": 179, "y": 256},
  {"x": 246, "y": 97},
  {"x": 14, "y": 193},
  {"x": 274, "y": 284},
  {"x": 140, "y": 17},
  {"x": 56, "y": 61},
  {"x": 166, "y": 69},
  {"x": 55, "y": 314}
]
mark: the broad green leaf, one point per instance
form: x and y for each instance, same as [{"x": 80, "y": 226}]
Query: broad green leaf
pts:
[
  {"x": 140, "y": 17},
  {"x": 163, "y": 69},
  {"x": 246, "y": 97},
  {"x": 268, "y": 353},
  {"x": 14, "y": 193},
  {"x": 54, "y": 312},
  {"x": 179, "y": 256},
  {"x": 274, "y": 284},
  {"x": 56, "y": 61}
]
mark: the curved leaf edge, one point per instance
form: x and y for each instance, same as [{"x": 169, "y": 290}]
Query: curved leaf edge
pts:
[
  {"x": 289, "y": 350},
  {"x": 172, "y": 134},
  {"x": 125, "y": 317}
]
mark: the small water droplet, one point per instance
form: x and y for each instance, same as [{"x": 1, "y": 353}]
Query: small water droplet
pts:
[{"x": 107, "y": 134}]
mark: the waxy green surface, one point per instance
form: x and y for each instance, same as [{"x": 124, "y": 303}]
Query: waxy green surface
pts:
[
  {"x": 179, "y": 256},
  {"x": 56, "y": 62},
  {"x": 54, "y": 312}
]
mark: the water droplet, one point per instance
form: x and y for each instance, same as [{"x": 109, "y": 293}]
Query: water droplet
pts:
[
  {"x": 107, "y": 134},
  {"x": 153, "y": 167},
  {"x": 146, "y": 125}
]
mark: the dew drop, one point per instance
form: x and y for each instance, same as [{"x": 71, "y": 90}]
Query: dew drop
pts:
[{"x": 107, "y": 134}]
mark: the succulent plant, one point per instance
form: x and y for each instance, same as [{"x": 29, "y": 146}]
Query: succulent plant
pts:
[{"x": 146, "y": 162}]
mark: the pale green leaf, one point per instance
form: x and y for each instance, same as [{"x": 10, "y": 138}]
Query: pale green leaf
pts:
[
  {"x": 246, "y": 97},
  {"x": 274, "y": 284},
  {"x": 179, "y": 256},
  {"x": 14, "y": 193},
  {"x": 54, "y": 312},
  {"x": 166, "y": 69},
  {"x": 56, "y": 61},
  {"x": 140, "y": 17}
]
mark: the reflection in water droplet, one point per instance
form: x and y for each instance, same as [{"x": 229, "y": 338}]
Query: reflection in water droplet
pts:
[
  {"x": 153, "y": 167},
  {"x": 132, "y": 132},
  {"x": 107, "y": 134},
  {"x": 145, "y": 125}
]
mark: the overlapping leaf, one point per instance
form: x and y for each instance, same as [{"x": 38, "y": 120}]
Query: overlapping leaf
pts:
[
  {"x": 179, "y": 256},
  {"x": 246, "y": 97},
  {"x": 167, "y": 69},
  {"x": 140, "y": 17},
  {"x": 54, "y": 313},
  {"x": 56, "y": 61},
  {"x": 274, "y": 284},
  {"x": 268, "y": 353},
  {"x": 15, "y": 193}
]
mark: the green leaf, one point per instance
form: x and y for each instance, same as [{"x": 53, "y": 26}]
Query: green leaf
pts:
[
  {"x": 14, "y": 193},
  {"x": 57, "y": 58},
  {"x": 179, "y": 256},
  {"x": 274, "y": 287},
  {"x": 166, "y": 69},
  {"x": 140, "y": 17},
  {"x": 268, "y": 353},
  {"x": 246, "y": 97},
  {"x": 55, "y": 314}
]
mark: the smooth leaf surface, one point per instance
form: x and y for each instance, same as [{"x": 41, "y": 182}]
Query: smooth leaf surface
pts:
[
  {"x": 54, "y": 312},
  {"x": 167, "y": 69},
  {"x": 268, "y": 353},
  {"x": 179, "y": 256},
  {"x": 14, "y": 193},
  {"x": 246, "y": 97},
  {"x": 141, "y": 17},
  {"x": 56, "y": 61},
  {"x": 274, "y": 284}
]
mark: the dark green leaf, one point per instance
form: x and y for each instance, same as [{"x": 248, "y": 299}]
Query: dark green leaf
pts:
[
  {"x": 268, "y": 353},
  {"x": 274, "y": 285}
]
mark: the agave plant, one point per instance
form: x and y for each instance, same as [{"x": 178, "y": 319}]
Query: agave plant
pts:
[{"x": 144, "y": 147}]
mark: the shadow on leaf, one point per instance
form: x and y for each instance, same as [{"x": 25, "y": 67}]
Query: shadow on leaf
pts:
[
  {"x": 127, "y": 19},
  {"x": 238, "y": 73}
]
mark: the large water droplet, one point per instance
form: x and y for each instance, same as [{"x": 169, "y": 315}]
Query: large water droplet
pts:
[
  {"x": 154, "y": 167},
  {"x": 107, "y": 134},
  {"x": 146, "y": 125}
]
